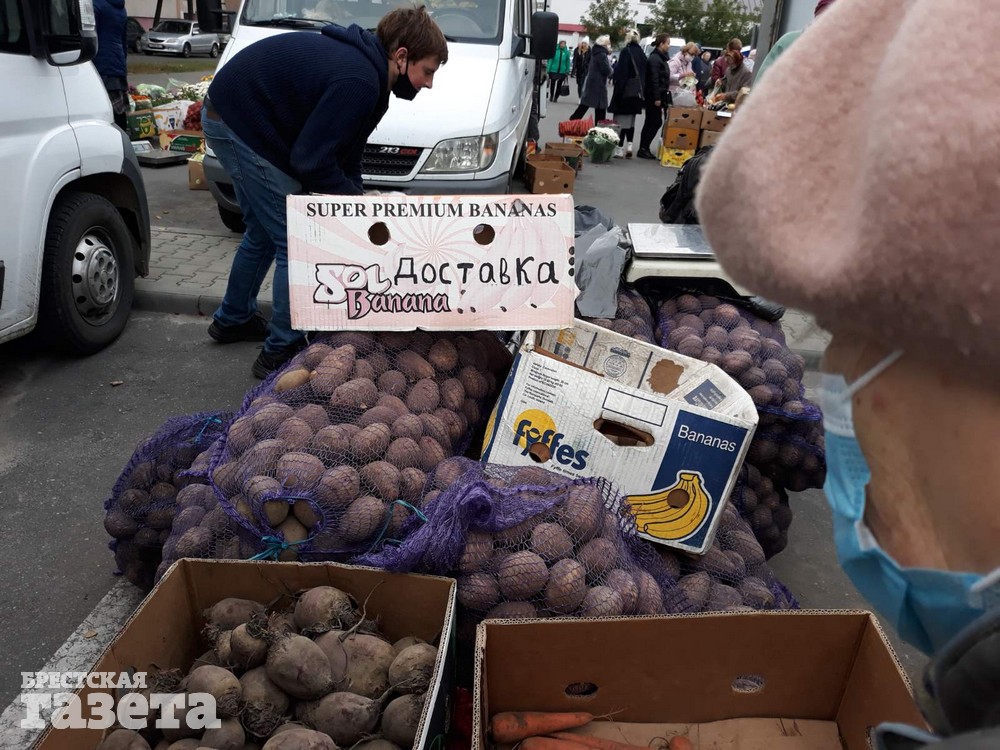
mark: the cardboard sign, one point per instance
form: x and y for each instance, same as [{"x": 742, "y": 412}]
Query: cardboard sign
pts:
[
  {"x": 451, "y": 263},
  {"x": 669, "y": 431}
]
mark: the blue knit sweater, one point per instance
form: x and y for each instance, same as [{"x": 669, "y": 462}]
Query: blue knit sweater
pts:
[
  {"x": 307, "y": 103},
  {"x": 110, "y": 19}
]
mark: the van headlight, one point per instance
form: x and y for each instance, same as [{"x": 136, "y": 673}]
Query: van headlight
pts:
[{"x": 463, "y": 154}]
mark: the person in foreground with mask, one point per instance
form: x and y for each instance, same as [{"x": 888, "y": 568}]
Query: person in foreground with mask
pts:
[
  {"x": 291, "y": 114},
  {"x": 842, "y": 215}
]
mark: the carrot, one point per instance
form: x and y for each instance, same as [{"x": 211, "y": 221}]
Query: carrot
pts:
[
  {"x": 598, "y": 743},
  {"x": 549, "y": 743},
  {"x": 514, "y": 726}
]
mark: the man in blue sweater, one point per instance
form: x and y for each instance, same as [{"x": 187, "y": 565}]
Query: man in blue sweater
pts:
[
  {"x": 110, "y": 22},
  {"x": 291, "y": 114}
]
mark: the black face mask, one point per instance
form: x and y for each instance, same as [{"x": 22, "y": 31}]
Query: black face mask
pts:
[{"x": 403, "y": 88}]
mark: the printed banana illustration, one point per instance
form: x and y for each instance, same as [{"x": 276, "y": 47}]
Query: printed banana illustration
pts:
[{"x": 675, "y": 512}]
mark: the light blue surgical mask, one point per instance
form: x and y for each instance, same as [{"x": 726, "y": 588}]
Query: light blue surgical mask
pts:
[{"x": 926, "y": 607}]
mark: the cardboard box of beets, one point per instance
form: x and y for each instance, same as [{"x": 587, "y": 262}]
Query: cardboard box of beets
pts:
[
  {"x": 669, "y": 431},
  {"x": 165, "y": 631},
  {"x": 805, "y": 680}
]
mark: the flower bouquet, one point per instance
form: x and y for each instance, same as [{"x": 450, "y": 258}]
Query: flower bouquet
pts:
[{"x": 600, "y": 143}]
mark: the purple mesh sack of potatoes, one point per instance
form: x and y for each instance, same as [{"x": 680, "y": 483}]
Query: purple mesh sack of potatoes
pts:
[
  {"x": 788, "y": 444},
  {"x": 330, "y": 456},
  {"x": 140, "y": 511},
  {"x": 525, "y": 542},
  {"x": 764, "y": 505}
]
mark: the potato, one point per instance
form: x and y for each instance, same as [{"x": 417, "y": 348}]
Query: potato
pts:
[
  {"x": 294, "y": 378},
  {"x": 338, "y": 487},
  {"x": 670, "y": 561},
  {"x": 624, "y": 585},
  {"x": 334, "y": 370},
  {"x": 431, "y": 453},
  {"x": 354, "y": 396},
  {"x": 119, "y": 525},
  {"x": 313, "y": 415},
  {"x": 275, "y": 511},
  {"x": 411, "y": 484},
  {"x": 306, "y": 514},
  {"x": 377, "y": 415},
  {"x": 722, "y": 597},
  {"x": 362, "y": 519},
  {"x": 227, "y": 476},
  {"x": 393, "y": 383},
  {"x": 443, "y": 355},
  {"x": 268, "y": 418},
  {"x": 601, "y": 601},
  {"x": 423, "y": 397},
  {"x": 551, "y": 542},
  {"x": 755, "y": 593},
  {"x": 407, "y": 426},
  {"x": 471, "y": 353},
  {"x": 582, "y": 513},
  {"x": 598, "y": 557},
  {"x": 452, "y": 394},
  {"x": 476, "y": 386},
  {"x": 478, "y": 551},
  {"x": 736, "y": 362},
  {"x": 333, "y": 443},
  {"x": 454, "y": 422},
  {"x": 650, "y": 594},
  {"x": 413, "y": 366},
  {"x": 299, "y": 471},
  {"x": 295, "y": 432},
  {"x": 240, "y": 435},
  {"x": 404, "y": 453},
  {"x": 370, "y": 444},
  {"x": 478, "y": 592},
  {"x": 761, "y": 395},
  {"x": 315, "y": 353},
  {"x": 521, "y": 575},
  {"x": 696, "y": 587},
  {"x": 436, "y": 429},
  {"x": 566, "y": 587},
  {"x": 752, "y": 378},
  {"x": 745, "y": 339},
  {"x": 363, "y": 369},
  {"x": 196, "y": 542},
  {"x": 690, "y": 346},
  {"x": 382, "y": 478},
  {"x": 449, "y": 471},
  {"x": 291, "y": 530},
  {"x": 263, "y": 457}
]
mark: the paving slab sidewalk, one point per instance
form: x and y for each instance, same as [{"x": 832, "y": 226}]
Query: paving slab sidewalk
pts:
[{"x": 189, "y": 270}]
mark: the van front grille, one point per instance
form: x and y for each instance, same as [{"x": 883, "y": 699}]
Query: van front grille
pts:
[{"x": 389, "y": 161}]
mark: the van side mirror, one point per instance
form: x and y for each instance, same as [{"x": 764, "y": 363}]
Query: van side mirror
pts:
[
  {"x": 63, "y": 32},
  {"x": 544, "y": 34}
]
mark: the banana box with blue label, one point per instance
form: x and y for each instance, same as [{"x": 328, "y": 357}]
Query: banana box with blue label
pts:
[{"x": 670, "y": 431}]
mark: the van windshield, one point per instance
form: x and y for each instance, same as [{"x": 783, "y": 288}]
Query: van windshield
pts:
[
  {"x": 460, "y": 20},
  {"x": 173, "y": 27}
]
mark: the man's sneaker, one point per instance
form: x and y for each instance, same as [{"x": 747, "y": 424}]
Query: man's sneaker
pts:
[
  {"x": 267, "y": 362},
  {"x": 645, "y": 153},
  {"x": 254, "y": 329},
  {"x": 619, "y": 152}
]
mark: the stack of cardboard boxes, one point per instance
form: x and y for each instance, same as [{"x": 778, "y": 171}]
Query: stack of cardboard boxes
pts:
[
  {"x": 686, "y": 130},
  {"x": 554, "y": 169}
]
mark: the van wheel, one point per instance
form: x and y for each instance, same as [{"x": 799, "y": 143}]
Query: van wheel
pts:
[
  {"x": 186, "y": 52},
  {"x": 232, "y": 220},
  {"x": 88, "y": 274},
  {"x": 215, "y": 51}
]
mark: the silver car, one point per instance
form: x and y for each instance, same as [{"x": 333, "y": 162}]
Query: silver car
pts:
[{"x": 182, "y": 38}]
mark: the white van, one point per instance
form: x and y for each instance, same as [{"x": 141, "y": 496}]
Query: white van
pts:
[
  {"x": 72, "y": 201},
  {"x": 466, "y": 134},
  {"x": 676, "y": 45}
]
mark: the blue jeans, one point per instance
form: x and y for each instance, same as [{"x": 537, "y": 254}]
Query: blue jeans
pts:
[{"x": 260, "y": 189}]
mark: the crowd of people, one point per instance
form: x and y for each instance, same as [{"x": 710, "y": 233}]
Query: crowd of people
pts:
[{"x": 643, "y": 84}]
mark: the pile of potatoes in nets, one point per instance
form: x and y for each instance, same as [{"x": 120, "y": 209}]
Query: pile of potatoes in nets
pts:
[
  {"x": 316, "y": 676},
  {"x": 525, "y": 542},
  {"x": 329, "y": 457},
  {"x": 142, "y": 507}
]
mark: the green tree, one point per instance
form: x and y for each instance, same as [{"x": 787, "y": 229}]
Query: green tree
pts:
[
  {"x": 611, "y": 17},
  {"x": 712, "y": 24}
]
